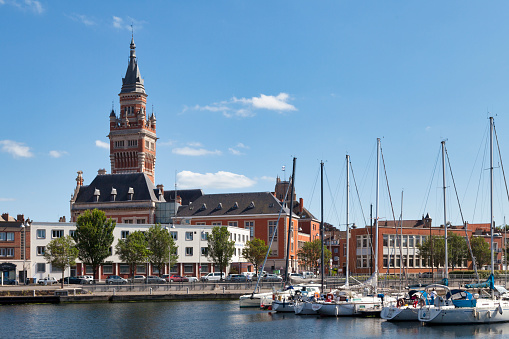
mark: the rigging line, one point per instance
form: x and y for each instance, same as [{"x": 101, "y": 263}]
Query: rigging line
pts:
[
  {"x": 392, "y": 208},
  {"x": 314, "y": 186},
  {"x": 480, "y": 178},
  {"x": 461, "y": 213},
  {"x": 431, "y": 182},
  {"x": 330, "y": 192},
  {"x": 357, "y": 191},
  {"x": 500, "y": 158},
  {"x": 334, "y": 197},
  {"x": 259, "y": 274}
]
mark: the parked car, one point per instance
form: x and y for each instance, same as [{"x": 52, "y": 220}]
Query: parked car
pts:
[
  {"x": 272, "y": 278},
  {"x": 72, "y": 280},
  {"x": 178, "y": 278},
  {"x": 87, "y": 279},
  {"x": 115, "y": 279},
  {"x": 296, "y": 275},
  {"x": 47, "y": 281},
  {"x": 213, "y": 276},
  {"x": 249, "y": 275},
  {"x": 166, "y": 277},
  {"x": 154, "y": 279},
  {"x": 236, "y": 278},
  {"x": 10, "y": 281},
  {"x": 137, "y": 279},
  {"x": 191, "y": 279},
  {"x": 308, "y": 275}
]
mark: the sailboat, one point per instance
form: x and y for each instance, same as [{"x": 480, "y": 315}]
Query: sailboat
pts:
[
  {"x": 477, "y": 311},
  {"x": 347, "y": 302}
]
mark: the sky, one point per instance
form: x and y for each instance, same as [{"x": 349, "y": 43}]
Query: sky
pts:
[{"x": 239, "y": 88}]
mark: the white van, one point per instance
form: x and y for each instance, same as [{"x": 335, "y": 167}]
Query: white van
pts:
[
  {"x": 308, "y": 275},
  {"x": 214, "y": 276}
]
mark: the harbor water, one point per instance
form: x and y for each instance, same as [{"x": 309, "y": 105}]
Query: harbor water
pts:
[{"x": 207, "y": 319}]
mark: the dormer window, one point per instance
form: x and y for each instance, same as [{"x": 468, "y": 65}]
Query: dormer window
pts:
[
  {"x": 113, "y": 194},
  {"x": 236, "y": 205},
  {"x": 130, "y": 193},
  {"x": 219, "y": 206},
  {"x": 251, "y": 205},
  {"x": 203, "y": 207},
  {"x": 97, "y": 194}
]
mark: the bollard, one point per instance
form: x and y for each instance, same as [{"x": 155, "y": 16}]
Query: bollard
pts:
[
  {"x": 114, "y": 290},
  {"x": 223, "y": 289},
  {"x": 188, "y": 290},
  {"x": 74, "y": 292},
  {"x": 151, "y": 290},
  {"x": 34, "y": 293}
]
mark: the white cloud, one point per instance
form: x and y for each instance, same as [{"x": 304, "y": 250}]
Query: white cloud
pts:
[
  {"x": 219, "y": 180},
  {"x": 16, "y": 149},
  {"x": 267, "y": 178},
  {"x": 428, "y": 128},
  {"x": 57, "y": 154},
  {"x": 194, "y": 151},
  {"x": 102, "y": 144},
  {"x": 166, "y": 143},
  {"x": 246, "y": 107},
  {"x": 7, "y": 199},
  {"x": 119, "y": 23},
  {"x": 25, "y": 5},
  {"x": 235, "y": 150},
  {"x": 81, "y": 18}
]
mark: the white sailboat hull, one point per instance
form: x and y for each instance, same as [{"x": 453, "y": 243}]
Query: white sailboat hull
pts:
[
  {"x": 486, "y": 312},
  {"x": 304, "y": 308},
  {"x": 253, "y": 300},
  {"x": 283, "y": 306},
  {"x": 403, "y": 313}
]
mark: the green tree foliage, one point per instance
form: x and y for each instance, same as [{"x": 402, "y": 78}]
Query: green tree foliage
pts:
[
  {"x": 254, "y": 251},
  {"x": 162, "y": 247},
  {"x": 220, "y": 248},
  {"x": 93, "y": 237},
  {"x": 311, "y": 252},
  {"x": 433, "y": 249},
  {"x": 133, "y": 250},
  {"x": 61, "y": 253},
  {"x": 481, "y": 250},
  {"x": 458, "y": 250}
]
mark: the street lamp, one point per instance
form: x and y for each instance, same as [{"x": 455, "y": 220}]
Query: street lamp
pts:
[
  {"x": 24, "y": 225},
  {"x": 169, "y": 252}
]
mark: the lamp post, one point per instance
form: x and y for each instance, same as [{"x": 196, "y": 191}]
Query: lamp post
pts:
[{"x": 24, "y": 225}]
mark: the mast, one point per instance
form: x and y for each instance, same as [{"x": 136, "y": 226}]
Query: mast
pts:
[
  {"x": 491, "y": 197},
  {"x": 445, "y": 214},
  {"x": 347, "y": 217},
  {"x": 322, "y": 271},
  {"x": 288, "y": 243},
  {"x": 376, "y": 210},
  {"x": 401, "y": 269}
]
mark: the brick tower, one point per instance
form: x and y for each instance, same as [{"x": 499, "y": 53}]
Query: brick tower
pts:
[{"x": 133, "y": 133}]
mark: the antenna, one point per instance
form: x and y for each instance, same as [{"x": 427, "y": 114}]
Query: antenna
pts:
[{"x": 132, "y": 30}]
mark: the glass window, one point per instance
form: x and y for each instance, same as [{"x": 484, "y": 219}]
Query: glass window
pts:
[
  {"x": 410, "y": 241},
  {"x": 385, "y": 240},
  {"x": 204, "y": 268},
  {"x": 72, "y": 233},
  {"x": 10, "y": 236},
  {"x": 217, "y": 223},
  {"x": 364, "y": 242},
  {"x": 385, "y": 260},
  {"x": 124, "y": 269},
  {"x": 141, "y": 269},
  {"x": 359, "y": 241},
  {"x": 204, "y": 236},
  {"x": 272, "y": 229},
  {"x": 89, "y": 269},
  {"x": 56, "y": 269},
  {"x": 41, "y": 234},
  {"x": 3, "y": 236},
  {"x": 189, "y": 235},
  {"x": 204, "y": 250},
  {"x": 124, "y": 234},
  {"x": 405, "y": 240},
  {"x": 232, "y": 223},
  {"x": 155, "y": 269},
  {"x": 41, "y": 267},
  {"x": 57, "y": 233},
  {"x": 173, "y": 235},
  {"x": 10, "y": 252},
  {"x": 40, "y": 250},
  {"x": 188, "y": 268},
  {"x": 108, "y": 269},
  {"x": 250, "y": 226},
  {"x": 189, "y": 251},
  {"x": 173, "y": 269}
]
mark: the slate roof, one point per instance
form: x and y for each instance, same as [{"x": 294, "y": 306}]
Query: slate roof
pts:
[
  {"x": 232, "y": 204},
  {"x": 133, "y": 81},
  {"x": 187, "y": 196},
  {"x": 143, "y": 187}
]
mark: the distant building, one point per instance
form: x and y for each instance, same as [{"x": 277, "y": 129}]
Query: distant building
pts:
[{"x": 14, "y": 250}]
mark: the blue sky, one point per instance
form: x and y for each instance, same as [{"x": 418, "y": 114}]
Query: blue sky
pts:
[{"x": 240, "y": 87}]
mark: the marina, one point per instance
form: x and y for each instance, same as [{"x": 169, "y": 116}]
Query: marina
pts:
[{"x": 211, "y": 319}]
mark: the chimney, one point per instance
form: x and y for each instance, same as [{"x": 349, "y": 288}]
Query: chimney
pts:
[
  {"x": 101, "y": 171},
  {"x": 5, "y": 216},
  {"x": 20, "y": 218},
  {"x": 161, "y": 188},
  {"x": 79, "y": 179},
  {"x": 179, "y": 200},
  {"x": 301, "y": 205}
]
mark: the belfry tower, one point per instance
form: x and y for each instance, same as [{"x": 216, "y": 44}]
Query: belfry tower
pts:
[{"x": 133, "y": 132}]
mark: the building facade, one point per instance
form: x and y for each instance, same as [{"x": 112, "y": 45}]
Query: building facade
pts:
[{"x": 14, "y": 246}]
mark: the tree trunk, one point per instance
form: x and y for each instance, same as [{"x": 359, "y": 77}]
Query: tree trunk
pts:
[{"x": 62, "y": 286}]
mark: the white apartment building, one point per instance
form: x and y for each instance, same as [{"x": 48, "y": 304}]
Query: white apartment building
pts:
[{"x": 190, "y": 239}]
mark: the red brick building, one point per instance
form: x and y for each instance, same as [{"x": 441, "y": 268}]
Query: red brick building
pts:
[{"x": 14, "y": 247}]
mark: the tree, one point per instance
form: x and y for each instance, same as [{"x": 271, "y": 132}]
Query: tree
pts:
[
  {"x": 311, "y": 253},
  {"x": 220, "y": 248},
  {"x": 254, "y": 251},
  {"x": 61, "y": 253},
  {"x": 133, "y": 250},
  {"x": 458, "y": 250},
  {"x": 93, "y": 237},
  {"x": 480, "y": 250},
  {"x": 433, "y": 248},
  {"x": 162, "y": 247}
]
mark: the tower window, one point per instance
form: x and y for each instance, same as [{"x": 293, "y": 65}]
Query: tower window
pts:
[
  {"x": 132, "y": 143},
  {"x": 119, "y": 144}
]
